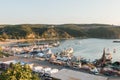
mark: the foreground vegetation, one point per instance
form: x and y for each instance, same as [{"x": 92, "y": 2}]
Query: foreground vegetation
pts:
[
  {"x": 18, "y": 72},
  {"x": 28, "y": 31}
]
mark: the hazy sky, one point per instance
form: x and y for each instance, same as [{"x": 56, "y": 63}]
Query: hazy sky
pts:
[{"x": 59, "y": 11}]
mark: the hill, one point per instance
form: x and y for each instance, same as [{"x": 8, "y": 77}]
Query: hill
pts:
[{"x": 22, "y": 31}]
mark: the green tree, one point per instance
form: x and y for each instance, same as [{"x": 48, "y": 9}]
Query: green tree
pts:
[
  {"x": 19, "y": 72},
  {"x": 4, "y": 36}
]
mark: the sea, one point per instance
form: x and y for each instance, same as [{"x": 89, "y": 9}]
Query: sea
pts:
[{"x": 91, "y": 48}]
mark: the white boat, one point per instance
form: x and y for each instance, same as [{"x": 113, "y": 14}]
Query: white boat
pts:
[
  {"x": 48, "y": 69},
  {"x": 54, "y": 44},
  {"x": 48, "y": 51},
  {"x": 69, "y": 50},
  {"x": 38, "y": 68},
  {"x": 40, "y": 55},
  {"x": 54, "y": 71},
  {"x": 62, "y": 58}
]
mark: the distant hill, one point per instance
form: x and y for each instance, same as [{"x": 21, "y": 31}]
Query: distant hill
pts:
[
  {"x": 22, "y": 31},
  {"x": 55, "y": 33}
]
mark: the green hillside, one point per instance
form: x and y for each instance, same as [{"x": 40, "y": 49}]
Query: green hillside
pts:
[{"x": 24, "y": 31}]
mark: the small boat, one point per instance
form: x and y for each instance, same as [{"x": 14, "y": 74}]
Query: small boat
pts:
[
  {"x": 69, "y": 50},
  {"x": 54, "y": 44},
  {"x": 116, "y": 41}
]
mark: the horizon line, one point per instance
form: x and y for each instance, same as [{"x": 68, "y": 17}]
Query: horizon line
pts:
[{"x": 56, "y": 23}]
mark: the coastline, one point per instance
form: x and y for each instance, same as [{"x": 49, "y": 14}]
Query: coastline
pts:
[{"x": 9, "y": 41}]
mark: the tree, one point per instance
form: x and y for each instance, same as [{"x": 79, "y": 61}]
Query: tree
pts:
[
  {"x": 19, "y": 72},
  {"x": 4, "y": 36}
]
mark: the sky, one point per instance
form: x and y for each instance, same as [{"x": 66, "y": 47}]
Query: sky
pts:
[{"x": 59, "y": 11}]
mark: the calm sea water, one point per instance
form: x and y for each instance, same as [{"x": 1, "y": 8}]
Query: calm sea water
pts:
[{"x": 91, "y": 48}]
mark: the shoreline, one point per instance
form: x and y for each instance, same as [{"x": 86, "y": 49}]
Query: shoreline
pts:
[{"x": 9, "y": 41}]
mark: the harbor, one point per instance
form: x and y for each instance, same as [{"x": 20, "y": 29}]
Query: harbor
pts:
[
  {"x": 49, "y": 60},
  {"x": 59, "y": 40}
]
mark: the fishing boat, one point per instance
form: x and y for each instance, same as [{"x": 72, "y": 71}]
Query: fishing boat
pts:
[
  {"x": 54, "y": 44},
  {"x": 69, "y": 50},
  {"x": 116, "y": 41}
]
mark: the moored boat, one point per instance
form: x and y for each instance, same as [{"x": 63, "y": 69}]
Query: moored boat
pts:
[{"x": 116, "y": 41}]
